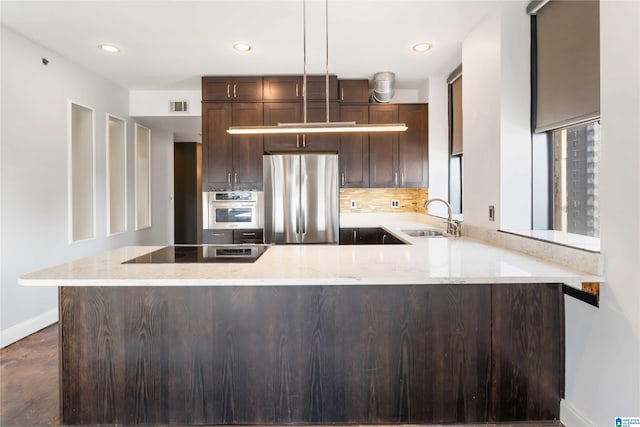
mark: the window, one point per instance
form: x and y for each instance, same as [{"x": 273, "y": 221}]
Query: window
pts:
[
  {"x": 576, "y": 170},
  {"x": 565, "y": 116},
  {"x": 455, "y": 139}
]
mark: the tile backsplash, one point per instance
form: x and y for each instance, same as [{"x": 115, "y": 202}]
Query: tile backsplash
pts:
[{"x": 378, "y": 200}]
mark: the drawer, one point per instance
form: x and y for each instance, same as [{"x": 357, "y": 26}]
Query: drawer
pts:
[
  {"x": 217, "y": 237},
  {"x": 249, "y": 235}
]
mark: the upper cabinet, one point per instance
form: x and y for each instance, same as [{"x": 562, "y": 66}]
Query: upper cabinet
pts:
[
  {"x": 231, "y": 162},
  {"x": 354, "y": 90},
  {"x": 293, "y": 112},
  {"x": 399, "y": 159},
  {"x": 232, "y": 88},
  {"x": 354, "y": 149},
  {"x": 282, "y": 88},
  {"x": 291, "y": 88}
]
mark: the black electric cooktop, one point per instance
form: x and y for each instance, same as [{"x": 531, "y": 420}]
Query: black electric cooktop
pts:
[{"x": 201, "y": 254}]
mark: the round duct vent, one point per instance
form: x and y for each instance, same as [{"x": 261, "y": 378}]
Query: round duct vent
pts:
[{"x": 383, "y": 86}]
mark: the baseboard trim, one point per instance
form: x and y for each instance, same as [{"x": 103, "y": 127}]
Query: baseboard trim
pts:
[
  {"x": 26, "y": 328},
  {"x": 570, "y": 416}
]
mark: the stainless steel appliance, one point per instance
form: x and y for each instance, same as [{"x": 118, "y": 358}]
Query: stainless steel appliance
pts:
[
  {"x": 301, "y": 198},
  {"x": 232, "y": 209},
  {"x": 201, "y": 254}
]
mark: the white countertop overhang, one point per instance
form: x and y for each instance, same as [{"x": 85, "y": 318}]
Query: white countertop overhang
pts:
[{"x": 425, "y": 261}]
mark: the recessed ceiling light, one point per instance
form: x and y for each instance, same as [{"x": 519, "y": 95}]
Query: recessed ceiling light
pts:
[
  {"x": 242, "y": 47},
  {"x": 421, "y": 47},
  {"x": 109, "y": 48}
]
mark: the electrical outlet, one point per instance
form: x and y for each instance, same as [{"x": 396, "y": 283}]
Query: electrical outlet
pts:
[
  {"x": 353, "y": 204},
  {"x": 395, "y": 204},
  {"x": 492, "y": 213}
]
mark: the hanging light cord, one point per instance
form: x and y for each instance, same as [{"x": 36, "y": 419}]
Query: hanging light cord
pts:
[
  {"x": 326, "y": 62},
  {"x": 304, "y": 54}
]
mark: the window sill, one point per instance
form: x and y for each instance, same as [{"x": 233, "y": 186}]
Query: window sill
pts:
[{"x": 571, "y": 240}]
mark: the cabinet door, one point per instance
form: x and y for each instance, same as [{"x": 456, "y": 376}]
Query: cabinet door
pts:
[
  {"x": 383, "y": 169},
  {"x": 354, "y": 90},
  {"x": 247, "y": 149},
  {"x": 247, "y": 89},
  {"x": 354, "y": 149},
  {"x": 248, "y": 235},
  {"x": 413, "y": 145},
  {"x": 348, "y": 236},
  {"x": 216, "y": 147},
  {"x": 317, "y": 88},
  {"x": 231, "y": 88},
  {"x": 317, "y": 112},
  {"x": 282, "y": 112},
  {"x": 282, "y": 88}
]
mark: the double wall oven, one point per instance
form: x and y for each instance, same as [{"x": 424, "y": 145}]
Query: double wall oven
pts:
[{"x": 233, "y": 216}]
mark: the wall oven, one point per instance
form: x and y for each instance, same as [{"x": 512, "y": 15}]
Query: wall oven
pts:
[{"x": 233, "y": 209}]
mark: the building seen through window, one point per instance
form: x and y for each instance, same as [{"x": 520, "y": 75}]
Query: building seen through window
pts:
[{"x": 576, "y": 165}]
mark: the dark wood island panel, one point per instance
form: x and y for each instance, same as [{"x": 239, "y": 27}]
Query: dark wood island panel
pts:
[{"x": 310, "y": 354}]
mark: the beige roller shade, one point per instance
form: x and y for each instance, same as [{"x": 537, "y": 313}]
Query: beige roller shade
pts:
[
  {"x": 568, "y": 63},
  {"x": 456, "y": 116}
]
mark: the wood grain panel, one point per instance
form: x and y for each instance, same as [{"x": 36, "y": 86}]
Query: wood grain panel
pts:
[
  {"x": 307, "y": 354},
  {"x": 528, "y": 327}
]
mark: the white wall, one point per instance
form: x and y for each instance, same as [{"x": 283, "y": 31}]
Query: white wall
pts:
[
  {"x": 603, "y": 345},
  {"x": 495, "y": 105},
  {"x": 33, "y": 197},
  {"x": 438, "y": 144}
]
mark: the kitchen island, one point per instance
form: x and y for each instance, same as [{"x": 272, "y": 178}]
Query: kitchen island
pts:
[{"x": 441, "y": 331}]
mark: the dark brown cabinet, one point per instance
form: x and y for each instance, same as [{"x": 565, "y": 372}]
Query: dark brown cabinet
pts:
[
  {"x": 367, "y": 236},
  {"x": 354, "y": 90},
  {"x": 232, "y": 88},
  {"x": 383, "y": 151},
  {"x": 248, "y": 236},
  {"x": 292, "y": 112},
  {"x": 282, "y": 88},
  {"x": 399, "y": 159},
  {"x": 413, "y": 146},
  {"x": 231, "y": 163},
  {"x": 291, "y": 88},
  {"x": 354, "y": 149}
]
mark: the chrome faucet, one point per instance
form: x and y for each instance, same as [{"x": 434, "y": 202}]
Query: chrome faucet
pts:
[{"x": 453, "y": 226}]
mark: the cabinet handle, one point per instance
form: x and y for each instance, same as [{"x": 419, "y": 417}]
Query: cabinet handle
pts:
[
  {"x": 342, "y": 94},
  {"x": 342, "y": 179},
  {"x": 235, "y": 178},
  {"x": 355, "y": 236},
  {"x": 229, "y": 178},
  {"x": 297, "y": 90},
  {"x": 249, "y": 234},
  {"x": 297, "y": 141},
  {"x": 235, "y": 87},
  {"x": 396, "y": 179},
  {"x": 402, "y": 178},
  {"x": 304, "y": 141},
  {"x": 228, "y": 90}
]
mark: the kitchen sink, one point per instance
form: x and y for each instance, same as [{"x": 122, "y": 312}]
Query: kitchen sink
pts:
[{"x": 424, "y": 233}]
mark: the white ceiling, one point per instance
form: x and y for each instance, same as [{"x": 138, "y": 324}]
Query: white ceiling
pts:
[{"x": 169, "y": 45}]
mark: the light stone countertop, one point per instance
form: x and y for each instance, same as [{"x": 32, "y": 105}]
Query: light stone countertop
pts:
[{"x": 425, "y": 261}]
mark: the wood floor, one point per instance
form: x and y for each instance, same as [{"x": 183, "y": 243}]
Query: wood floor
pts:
[
  {"x": 29, "y": 383},
  {"x": 29, "y": 377}
]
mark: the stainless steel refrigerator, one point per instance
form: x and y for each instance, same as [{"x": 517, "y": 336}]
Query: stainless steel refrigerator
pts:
[{"x": 301, "y": 198}]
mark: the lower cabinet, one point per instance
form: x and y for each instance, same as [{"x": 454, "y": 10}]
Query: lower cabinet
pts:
[
  {"x": 368, "y": 236},
  {"x": 227, "y": 237}
]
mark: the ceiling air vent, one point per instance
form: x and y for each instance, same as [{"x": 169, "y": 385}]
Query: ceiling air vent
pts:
[{"x": 178, "y": 106}]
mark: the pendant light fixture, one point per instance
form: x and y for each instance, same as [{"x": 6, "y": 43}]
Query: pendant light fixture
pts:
[{"x": 316, "y": 127}]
